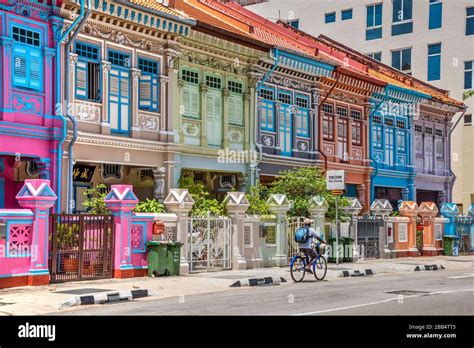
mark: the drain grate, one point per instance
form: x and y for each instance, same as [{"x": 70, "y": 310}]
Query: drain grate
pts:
[
  {"x": 408, "y": 292},
  {"x": 82, "y": 291}
]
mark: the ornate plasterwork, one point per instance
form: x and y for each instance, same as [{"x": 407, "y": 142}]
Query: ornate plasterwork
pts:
[
  {"x": 290, "y": 83},
  {"x": 236, "y": 136},
  {"x": 205, "y": 40},
  {"x": 214, "y": 63},
  {"x": 120, "y": 37},
  {"x": 345, "y": 98},
  {"x": 191, "y": 129},
  {"x": 148, "y": 122}
]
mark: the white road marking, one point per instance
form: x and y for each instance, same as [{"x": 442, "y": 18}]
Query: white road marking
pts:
[
  {"x": 381, "y": 301},
  {"x": 467, "y": 275}
]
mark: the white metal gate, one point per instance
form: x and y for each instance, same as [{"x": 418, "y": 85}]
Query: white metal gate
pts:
[
  {"x": 292, "y": 224},
  {"x": 209, "y": 243}
]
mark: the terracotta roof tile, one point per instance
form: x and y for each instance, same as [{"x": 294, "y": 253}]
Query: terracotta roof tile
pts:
[
  {"x": 205, "y": 14},
  {"x": 157, "y": 6}
]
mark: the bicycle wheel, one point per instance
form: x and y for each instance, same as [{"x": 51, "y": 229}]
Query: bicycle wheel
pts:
[
  {"x": 297, "y": 269},
  {"x": 320, "y": 267}
]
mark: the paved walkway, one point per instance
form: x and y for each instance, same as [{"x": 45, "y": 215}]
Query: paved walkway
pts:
[{"x": 46, "y": 299}]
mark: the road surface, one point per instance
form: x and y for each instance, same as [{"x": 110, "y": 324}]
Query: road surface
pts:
[{"x": 408, "y": 293}]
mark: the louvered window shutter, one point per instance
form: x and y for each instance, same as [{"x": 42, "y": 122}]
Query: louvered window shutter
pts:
[
  {"x": 20, "y": 68},
  {"x": 81, "y": 79},
  {"x": 35, "y": 69},
  {"x": 146, "y": 91}
]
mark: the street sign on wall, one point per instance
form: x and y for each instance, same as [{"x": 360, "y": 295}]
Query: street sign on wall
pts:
[{"x": 335, "y": 180}]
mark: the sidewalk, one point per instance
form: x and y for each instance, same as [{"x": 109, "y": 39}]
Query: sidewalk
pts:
[{"x": 46, "y": 299}]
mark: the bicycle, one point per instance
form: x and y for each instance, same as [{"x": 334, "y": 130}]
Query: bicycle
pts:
[{"x": 298, "y": 267}]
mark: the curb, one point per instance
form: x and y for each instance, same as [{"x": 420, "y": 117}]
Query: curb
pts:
[
  {"x": 357, "y": 273},
  {"x": 429, "y": 268},
  {"x": 106, "y": 298},
  {"x": 259, "y": 282}
]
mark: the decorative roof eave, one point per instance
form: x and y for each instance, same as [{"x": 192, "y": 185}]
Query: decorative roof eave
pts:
[
  {"x": 255, "y": 44},
  {"x": 440, "y": 108},
  {"x": 188, "y": 21},
  {"x": 124, "y": 10},
  {"x": 206, "y": 43},
  {"x": 399, "y": 94}
]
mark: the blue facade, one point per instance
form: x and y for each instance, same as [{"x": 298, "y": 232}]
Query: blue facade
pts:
[{"x": 391, "y": 144}]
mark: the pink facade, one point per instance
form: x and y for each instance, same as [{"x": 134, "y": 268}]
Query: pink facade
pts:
[
  {"x": 24, "y": 236},
  {"x": 30, "y": 133}
]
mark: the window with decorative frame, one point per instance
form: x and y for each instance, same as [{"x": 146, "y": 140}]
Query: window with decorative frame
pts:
[
  {"x": 439, "y": 148},
  {"x": 377, "y": 141},
  {"x": 149, "y": 90},
  {"x": 401, "y": 141},
  {"x": 302, "y": 116},
  {"x": 88, "y": 72},
  {"x": 235, "y": 102},
  {"x": 267, "y": 109},
  {"x": 328, "y": 127},
  {"x": 27, "y": 58},
  {"x": 357, "y": 133},
  {"x": 342, "y": 139},
  {"x": 190, "y": 93}
]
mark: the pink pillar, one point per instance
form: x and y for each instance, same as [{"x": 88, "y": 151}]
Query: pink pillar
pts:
[
  {"x": 121, "y": 201},
  {"x": 37, "y": 195}
]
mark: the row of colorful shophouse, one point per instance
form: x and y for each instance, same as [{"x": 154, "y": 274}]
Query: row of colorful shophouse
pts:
[{"x": 145, "y": 92}]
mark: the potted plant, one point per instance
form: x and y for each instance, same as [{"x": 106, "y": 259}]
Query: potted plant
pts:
[
  {"x": 152, "y": 206},
  {"x": 68, "y": 240}
]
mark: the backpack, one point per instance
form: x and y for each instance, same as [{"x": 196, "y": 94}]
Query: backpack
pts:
[{"x": 302, "y": 235}]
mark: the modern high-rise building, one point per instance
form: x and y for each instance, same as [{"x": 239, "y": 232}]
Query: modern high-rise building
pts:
[{"x": 432, "y": 40}]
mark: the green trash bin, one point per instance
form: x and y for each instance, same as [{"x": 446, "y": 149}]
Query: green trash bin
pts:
[
  {"x": 448, "y": 245},
  {"x": 157, "y": 258},
  {"x": 173, "y": 256}
]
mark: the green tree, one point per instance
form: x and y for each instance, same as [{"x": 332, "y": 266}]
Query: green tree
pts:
[
  {"x": 150, "y": 206},
  {"x": 468, "y": 94},
  {"x": 257, "y": 197},
  {"x": 202, "y": 203},
  {"x": 95, "y": 200},
  {"x": 300, "y": 185}
]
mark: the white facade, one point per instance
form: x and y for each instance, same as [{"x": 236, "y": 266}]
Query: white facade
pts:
[{"x": 456, "y": 48}]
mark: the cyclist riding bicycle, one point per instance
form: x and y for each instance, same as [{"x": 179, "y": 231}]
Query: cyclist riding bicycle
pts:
[{"x": 307, "y": 247}]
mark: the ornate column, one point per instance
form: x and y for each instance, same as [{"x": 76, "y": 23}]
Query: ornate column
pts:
[
  {"x": 168, "y": 112},
  {"x": 180, "y": 202},
  {"x": 49, "y": 53},
  {"x": 203, "y": 89},
  {"x": 7, "y": 43},
  {"x": 44, "y": 167},
  {"x": 277, "y": 125},
  {"x": 405, "y": 194},
  {"x": 121, "y": 201},
  {"x": 353, "y": 210},
  {"x": 318, "y": 208},
  {"x": 236, "y": 205},
  {"x": 361, "y": 194},
  {"x": 166, "y": 122},
  {"x": 471, "y": 214},
  {"x": 278, "y": 204},
  {"x": 159, "y": 175},
  {"x": 381, "y": 209},
  {"x": 226, "y": 94},
  {"x": 105, "y": 124},
  {"x": 247, "y": 125},
  {"x": 450, "y": 211},
  {"x": 314, "y": 120},
  {"x": 178, "y": 122},
  {"x": 72, "y": 80},
  {"x": 135, "y": 126},
  {"x": 37, "y": 195},
  {"x": 428, "y": 212},
  {"x": 410, "y": 210}
]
